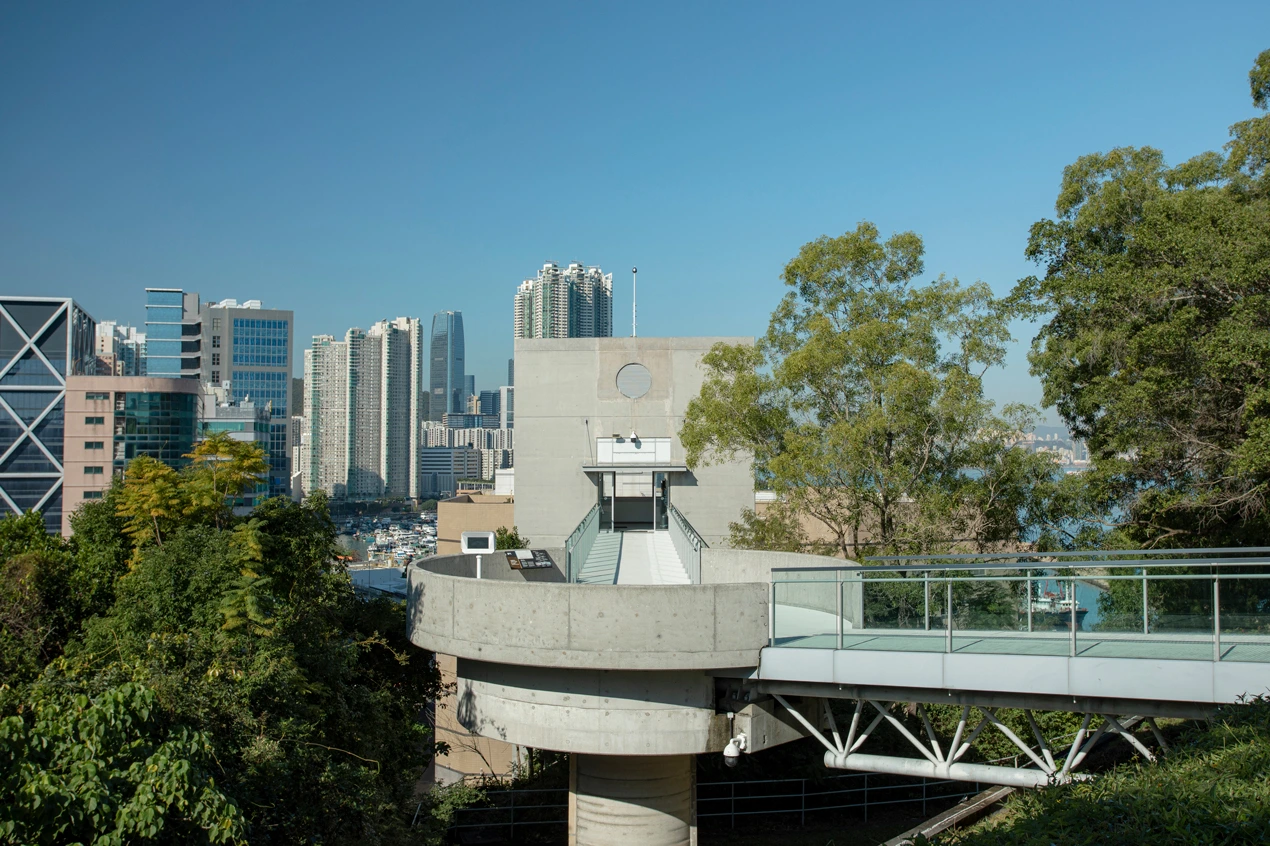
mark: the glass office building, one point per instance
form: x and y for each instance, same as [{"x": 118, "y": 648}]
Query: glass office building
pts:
[
  {"x": 447, "y": 383},
  {"x": 173, "y": 334},
  {"x": 43, "y": 340}
]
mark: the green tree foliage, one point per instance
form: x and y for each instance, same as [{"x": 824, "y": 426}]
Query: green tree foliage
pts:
[
  {"x": 1156, "y": 347},
  {"x": 217, "y": 644},
  {"x": 102, "y": 770},
  {"x": 863, "y": 405},
  {"x": 505, "y": 538},
  {"x": 1214, "y": 787},
  {"x": 220, "y": 470}
]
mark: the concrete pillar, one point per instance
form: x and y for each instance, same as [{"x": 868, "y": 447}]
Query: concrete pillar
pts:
[{"x": 627, "y": 799}]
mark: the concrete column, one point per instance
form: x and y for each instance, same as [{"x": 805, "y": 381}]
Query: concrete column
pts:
[{"x": 638, "y": 800}]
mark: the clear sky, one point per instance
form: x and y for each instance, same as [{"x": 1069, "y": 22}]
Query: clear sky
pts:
[{"x": 360, "y": 161}]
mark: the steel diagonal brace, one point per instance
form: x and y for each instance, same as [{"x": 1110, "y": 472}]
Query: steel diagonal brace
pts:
[
  {"x": 1128, "y": 735},
  {"x": 807, "y": 725},
  {"x": 917, "y": 744},
  {"x": 1014, "y": 738}
]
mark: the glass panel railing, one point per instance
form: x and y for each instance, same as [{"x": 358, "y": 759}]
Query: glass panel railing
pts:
[
  {"x": 578, "y": 546},
  {"x": 1110, "y": 608}
]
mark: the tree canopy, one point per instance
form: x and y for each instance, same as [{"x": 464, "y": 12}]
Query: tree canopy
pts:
[
  {"x": 1156, "y": 343},
  {"x": 863, "y": 405},
  {"x": 176, "y": 673}
]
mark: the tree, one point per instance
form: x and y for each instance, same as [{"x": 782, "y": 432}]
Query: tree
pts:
[
  {"x": 1156, "y": 345},
  {"x": 220, "y": 470},
  {"x": 505, "y": 538},
  {"x": 863, "y": 404},
  {"x": 102, "y": 770},
  {"x": 152, "y": 501}
]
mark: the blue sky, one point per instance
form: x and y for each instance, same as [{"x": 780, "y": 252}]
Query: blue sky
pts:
[{"x": 361, "y": 161}]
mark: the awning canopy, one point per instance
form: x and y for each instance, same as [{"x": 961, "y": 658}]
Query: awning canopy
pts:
[{"x": 635, "y": 468}]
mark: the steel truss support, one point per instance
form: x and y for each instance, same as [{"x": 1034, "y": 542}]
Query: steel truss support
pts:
[{"x": 941, "y": 762}]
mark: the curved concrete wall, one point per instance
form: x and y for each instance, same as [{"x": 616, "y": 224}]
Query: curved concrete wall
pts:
[
  {"x": 507, "y": 619},
  {"x": 727, "y": 566},
  {"x": 640, "y": 801},
  {"x": 599, "y": 712}
]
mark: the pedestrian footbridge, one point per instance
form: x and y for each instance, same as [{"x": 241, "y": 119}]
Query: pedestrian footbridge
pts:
[{"x": 760, "y": 648}]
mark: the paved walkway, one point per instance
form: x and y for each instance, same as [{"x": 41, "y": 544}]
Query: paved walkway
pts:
[{"x": 633, "y": 558}]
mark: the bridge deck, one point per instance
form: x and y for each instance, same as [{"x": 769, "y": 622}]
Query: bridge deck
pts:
[{"x": 1092, "y": 645}]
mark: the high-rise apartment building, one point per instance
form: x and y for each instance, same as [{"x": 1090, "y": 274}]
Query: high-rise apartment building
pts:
[
  {"x": 121, "y": 350},
  {"x": 173, "y": 334},
  {"x": 507, "y": 407},
  {"x": 43, "y": 342},
  {"x": 447, "y": 378},
  {"x": 363, "y": 406},
  {"x": 576, "y": 302},
  {"x": 248, "y": 347}
]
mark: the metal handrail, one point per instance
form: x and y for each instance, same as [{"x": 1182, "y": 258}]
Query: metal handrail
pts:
[
  {"x": 1039, "y": 565},
  {"x": 688, "y": 545},
  {"x": 581, "y": 539},
  {"x": 1095, "y": 553}
]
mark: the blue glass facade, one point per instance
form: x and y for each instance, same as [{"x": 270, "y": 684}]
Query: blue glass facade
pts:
[
  {"x": 447, "y": 382},
  {"x": 264, "y": 386},
  {"x": 172, "y": 341},
  {"x": 260, "y": 343}
]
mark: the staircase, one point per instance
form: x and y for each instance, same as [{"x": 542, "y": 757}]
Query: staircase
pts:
[{"x": 600, "y": 567}]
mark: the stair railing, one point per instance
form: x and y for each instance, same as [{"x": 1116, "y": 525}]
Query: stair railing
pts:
[
  {"x": 578, "y": 546},
  {"x": 687, "y": 544}
]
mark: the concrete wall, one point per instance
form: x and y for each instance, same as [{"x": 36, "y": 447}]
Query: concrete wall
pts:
[
  {"x": 470, "y": 513},
  {"x": 567, "y": 396},
  {"x": 591, "y": 711},
  {"x": 552, "y": 624},
  {"x": 470, "y": 753}
]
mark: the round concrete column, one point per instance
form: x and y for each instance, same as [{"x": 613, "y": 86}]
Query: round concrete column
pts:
[{"x": 627, "y": 799}]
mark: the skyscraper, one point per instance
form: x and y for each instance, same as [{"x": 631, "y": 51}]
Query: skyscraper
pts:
[
  {"x": 446, "y": 382},
  {"x": 576, "y": 302},
  {"x": 121, "y": 350},
  {"x": 43, "y": 342},
  {"x": 363, "y": 407}
]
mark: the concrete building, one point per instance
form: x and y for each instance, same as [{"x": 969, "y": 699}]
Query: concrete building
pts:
[
  {"x": 111, "y": 420},
  {"x": 597, "y": 425},
  {"x": 173, "y": 334},
  {"x": 43, "y": 342},
  {"x": 121, "y": 350},
  {"x": 576, "y": 302},
  {"x": 441, "y": 469},
  {"x": 447, "y": 380},
  {"x": 364, "y": 407}
]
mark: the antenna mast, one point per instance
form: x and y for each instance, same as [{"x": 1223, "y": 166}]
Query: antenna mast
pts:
[{"x": 634, "y": 276}]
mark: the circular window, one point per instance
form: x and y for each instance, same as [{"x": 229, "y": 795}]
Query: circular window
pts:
[{"x": 634, "y": 380}]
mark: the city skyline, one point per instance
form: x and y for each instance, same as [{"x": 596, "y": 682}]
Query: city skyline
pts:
[{"x": 117, "y": 172}]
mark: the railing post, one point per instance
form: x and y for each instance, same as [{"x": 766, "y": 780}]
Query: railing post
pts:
[
  {"x": 840, "y": 585},
  {"x": 948, "y": 621},
  {"x": 1216, "y": 615},
  {"x": 1029, "y": 601},
  {"x": 866, "y": 797},
  {"x": 1146, "y": 619},
  {"x": 771, "y": 618},
  {"x": 926, "y": 592},
  {"x": 512, "y": 828},
  {"x": 732, "y": 813},
  {"x": 1072, "y": 587},
  {"x": 802, "y": 814}
]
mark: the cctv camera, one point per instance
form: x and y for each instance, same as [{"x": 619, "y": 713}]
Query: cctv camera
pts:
[{"x": 732, "y": 752}]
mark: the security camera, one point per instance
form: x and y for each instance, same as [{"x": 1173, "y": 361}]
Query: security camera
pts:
[{"x": 732, "y": 752}]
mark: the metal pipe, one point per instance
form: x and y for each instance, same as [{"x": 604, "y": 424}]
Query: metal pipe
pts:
[
  {"x": 838, "y": 642},
  {"x": 921, "y": 767},
  {"x": 926, "y": 591}
]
